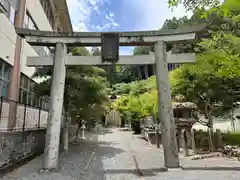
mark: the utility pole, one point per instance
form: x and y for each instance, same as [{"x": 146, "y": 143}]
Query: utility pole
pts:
[{"x": 16, "y": 69}]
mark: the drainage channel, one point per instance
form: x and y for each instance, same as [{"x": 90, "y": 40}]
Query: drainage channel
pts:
[{"x": 140, "y": 173}]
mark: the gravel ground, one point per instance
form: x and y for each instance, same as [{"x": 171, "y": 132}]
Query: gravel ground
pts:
[{"x": 118, "y": 155}]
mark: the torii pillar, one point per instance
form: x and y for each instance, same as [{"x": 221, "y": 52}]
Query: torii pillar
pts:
[
  {"x": 165, "y": 109},
  {"x": 51, "y": 152}
]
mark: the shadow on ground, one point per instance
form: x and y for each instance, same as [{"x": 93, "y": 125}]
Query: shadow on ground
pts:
[
  {"x": 80, "y": 162},
  {"x": 84, "y": 161}
]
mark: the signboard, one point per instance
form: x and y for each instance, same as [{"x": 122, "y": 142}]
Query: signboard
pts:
[{"x": 110, "y": 47}]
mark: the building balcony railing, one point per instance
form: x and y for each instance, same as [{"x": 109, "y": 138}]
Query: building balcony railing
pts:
[{"x": 28, "y": 117}]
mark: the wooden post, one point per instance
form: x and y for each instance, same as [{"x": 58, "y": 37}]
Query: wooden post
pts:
[
  {"x": 165, "y": 109},
  {"x": 193, "y": 141}
]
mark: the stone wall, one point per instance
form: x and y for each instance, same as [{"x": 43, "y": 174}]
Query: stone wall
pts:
[{"x": 16, "y": 146}]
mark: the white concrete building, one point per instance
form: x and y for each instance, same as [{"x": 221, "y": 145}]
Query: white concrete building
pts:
[
  {"x": 225, "y": 124},
  {"x": 39, "y": 15}
]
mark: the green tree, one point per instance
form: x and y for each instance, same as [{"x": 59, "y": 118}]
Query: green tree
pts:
[
  {"x": 149, "y": 103},
  {"x": 139, "y": 98},
  {"x": 228, "y": 7},
  {"x": 192, "y": 5},
  {"x": 85, "y": 93},
  {"x": 211, "y": 83}
]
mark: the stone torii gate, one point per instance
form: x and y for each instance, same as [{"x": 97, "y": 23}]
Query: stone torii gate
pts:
[{"x": 60, "y": 60}]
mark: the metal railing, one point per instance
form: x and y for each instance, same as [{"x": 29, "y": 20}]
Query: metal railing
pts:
[{"x": 28, "y": 117}]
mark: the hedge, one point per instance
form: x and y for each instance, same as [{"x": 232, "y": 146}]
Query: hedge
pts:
[
  {"x": 231, "y": 138},
  {"x": 202, "y": 141}
]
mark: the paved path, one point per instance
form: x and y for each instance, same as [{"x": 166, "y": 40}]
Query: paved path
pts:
[{"x": 119, "y": 155}]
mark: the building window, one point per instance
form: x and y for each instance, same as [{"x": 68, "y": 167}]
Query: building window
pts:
[
  {"x": 44, "y": 103},
  {"x": 47, "y": 9},
  {"x": 29, "y": 22},
  {"x": 27, "y": 93},
  {"x": 32, "y": 97},
  {"x": 4, "y": 88},
  {"x": 5, "y": 70},
  {"x": 24, "y": 89},
  {"x": 9, "y": 7}
]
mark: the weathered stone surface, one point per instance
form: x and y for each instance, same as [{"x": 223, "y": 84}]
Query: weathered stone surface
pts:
[
  {"x": 15, "y": 146},
  {"x": 205, "y": 156},
  {"x": 27, "y": 32}
]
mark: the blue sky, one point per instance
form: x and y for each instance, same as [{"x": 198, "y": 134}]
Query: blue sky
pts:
[{"x": 121, "y": 15}]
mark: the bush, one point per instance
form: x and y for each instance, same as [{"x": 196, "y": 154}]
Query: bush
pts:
[
  {"x": 231, "y": 138},
  {"x": 136, "y": 127},
  {"x": 201, "y": 139}
]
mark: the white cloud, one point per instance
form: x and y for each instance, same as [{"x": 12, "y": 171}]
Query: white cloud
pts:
[
  {"x": 79, "y": 14},
  {"x": 80, "y": 26},
  {"x": 108, "y": 23},
  {"x": 111, "y": 14},
  {"x": 106, "y": 26},
  {"x": 81, "y": 11},
  {"x": 150, "y": 14}
]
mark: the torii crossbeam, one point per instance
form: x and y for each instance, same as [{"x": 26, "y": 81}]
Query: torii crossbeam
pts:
[
  {"x": 157, "y": 38},
  {"x": 96, "y": 60}
]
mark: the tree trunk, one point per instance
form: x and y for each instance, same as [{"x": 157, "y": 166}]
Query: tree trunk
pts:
[
  {"x": 208, "y": 113},
  {"x": 210, "y": 133},
  {"x": 211, "y": 145},
  {"x": 232, "y": 121},
  {"x": 77, "y": 132}
]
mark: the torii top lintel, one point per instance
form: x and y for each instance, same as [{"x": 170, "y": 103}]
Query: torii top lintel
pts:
[{"x": 135, "y": 38}]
